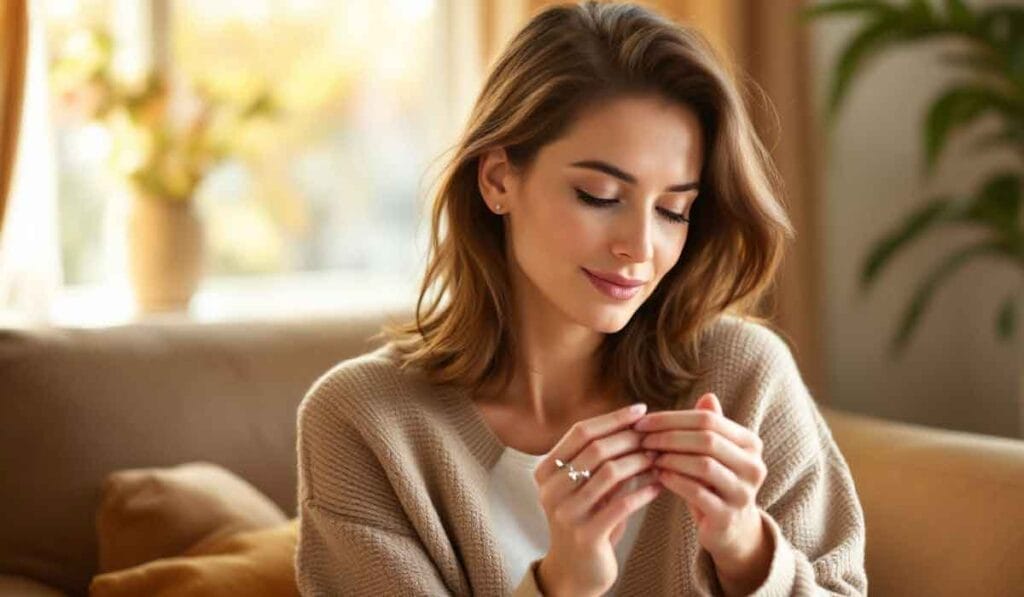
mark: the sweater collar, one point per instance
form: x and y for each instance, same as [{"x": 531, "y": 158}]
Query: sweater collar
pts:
[
  {"x": 460, "y": 408},
  {"x": 478, "y": 436}
]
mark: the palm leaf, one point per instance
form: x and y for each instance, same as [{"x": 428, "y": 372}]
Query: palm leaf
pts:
[
  {"x": 868, "y": 41},
  {"x": 998, "y": 205},
  {"x": 926, "y": 289},
  {"x": 913, "y": 227},
  {"x": 1002, "y": 27},
  {"x": 976, "y": 59},
  {"x": 1012, "y": 134},
  {"x": 845, "y": 6},
  {"x": 959, "y": 15},
  {"x": 957, "y": 107}
]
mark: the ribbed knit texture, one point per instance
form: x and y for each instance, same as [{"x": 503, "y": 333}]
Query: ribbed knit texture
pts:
[{"x": 393, "y": 476}]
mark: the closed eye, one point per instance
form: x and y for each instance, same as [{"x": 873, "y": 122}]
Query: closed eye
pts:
[{"x": 589, "y": 199}]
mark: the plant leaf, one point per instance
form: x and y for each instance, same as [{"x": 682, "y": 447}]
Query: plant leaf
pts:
[
  {"x": 975, "y": 59},
  {"x": 1013, "y": 134},
  {"x": 844, "y": 6},
  {"x": 998, "y": 204},
  {"x": 865, "y": 43},
  {"x": 1006, "y": 322},
  {"x": 959, "y": 15},
  {"x": 956, "y": 107},
  {"x": 926, "y": 289},
  {"x": 920, "y": 12},
  {"x": 913, "y": 227},
  {"x": 1002, "y": 27}
]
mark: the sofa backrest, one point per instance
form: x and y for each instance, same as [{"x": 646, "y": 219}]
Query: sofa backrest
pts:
[{"x": 77, "y": 404}]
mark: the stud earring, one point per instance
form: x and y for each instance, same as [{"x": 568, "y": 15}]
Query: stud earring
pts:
[{"x": 497, "y": 207}]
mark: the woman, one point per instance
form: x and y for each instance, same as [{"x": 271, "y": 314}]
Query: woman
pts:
[{"x": 609, "y": 217}]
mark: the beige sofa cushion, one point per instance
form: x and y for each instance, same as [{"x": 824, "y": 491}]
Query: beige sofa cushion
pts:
[
  {"x": 253, "y": 563},
  {"x": 944, "y": 509}
]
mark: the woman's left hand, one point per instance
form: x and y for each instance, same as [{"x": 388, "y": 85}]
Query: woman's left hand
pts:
[{"x": 715, "y": 465}]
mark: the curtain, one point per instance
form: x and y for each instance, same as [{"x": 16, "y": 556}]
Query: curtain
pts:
[
  {"x": 13, "y": 43},
  {"x": 30, "y": 264},
  {"x": 766, "y": 42}
]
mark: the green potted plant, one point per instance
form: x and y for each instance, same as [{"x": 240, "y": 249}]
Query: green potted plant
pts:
[
  {"x": 991, "y": 56},
  {"x": 162, "y": 152}
]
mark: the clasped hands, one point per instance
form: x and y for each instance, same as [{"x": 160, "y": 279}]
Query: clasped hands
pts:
[{"x": 714, "y": 464}]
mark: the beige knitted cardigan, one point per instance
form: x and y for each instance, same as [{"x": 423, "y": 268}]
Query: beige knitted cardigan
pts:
[{"x": 393, "y": 474}]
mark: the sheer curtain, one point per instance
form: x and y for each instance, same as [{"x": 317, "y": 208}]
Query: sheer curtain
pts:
[{"x": 30, "y": 267}]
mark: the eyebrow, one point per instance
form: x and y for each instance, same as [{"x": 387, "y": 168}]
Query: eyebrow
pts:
[{"x": 627, "y": 177}]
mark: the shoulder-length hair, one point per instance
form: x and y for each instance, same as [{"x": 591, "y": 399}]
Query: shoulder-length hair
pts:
[{"x": 566, "y": 59}]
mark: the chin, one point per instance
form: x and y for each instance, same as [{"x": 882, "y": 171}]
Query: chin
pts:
[{"x": 605, "y": 319}]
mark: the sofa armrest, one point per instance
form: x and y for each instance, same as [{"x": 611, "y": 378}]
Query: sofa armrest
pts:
[{"x": 944, "y": 510}]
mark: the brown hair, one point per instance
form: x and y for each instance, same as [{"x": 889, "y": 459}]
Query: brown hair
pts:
[{"x": 567, "y": 58}]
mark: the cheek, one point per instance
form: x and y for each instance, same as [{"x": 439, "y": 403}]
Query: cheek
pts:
[
  {"x": 574, "y": 232},
  {"x": 668, "y": 251}
]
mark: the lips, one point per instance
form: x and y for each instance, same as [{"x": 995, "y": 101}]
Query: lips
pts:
[
  {"x": 616, "y": 279},
  {"x": 611, "y": 289}
]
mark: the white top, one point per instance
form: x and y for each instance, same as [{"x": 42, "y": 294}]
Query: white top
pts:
[{"x": 519, "y": 520}]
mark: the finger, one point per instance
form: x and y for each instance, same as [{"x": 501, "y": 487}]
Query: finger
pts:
[
  {"x": 712, "y": 473},
  {"x": 744, "y": 464},
  {"x": 594, "y": 457},
  {"x": 617, "y": 533},
  {"x": 581, "y": 503},
  {"x": 584, "y": 432},
  {"x": 700, "y": 419},
  {"x": 695, "y": 493},
  {"x": 620, "y": 508}
]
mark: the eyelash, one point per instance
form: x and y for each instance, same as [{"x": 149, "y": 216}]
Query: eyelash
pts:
[{"x": 597, "y": 202}]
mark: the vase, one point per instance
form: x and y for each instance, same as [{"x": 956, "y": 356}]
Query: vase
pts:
[{"x": 165, "y": 253}]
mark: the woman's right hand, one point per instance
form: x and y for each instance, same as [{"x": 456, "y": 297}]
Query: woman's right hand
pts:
[{"x": 586, "y": 519}]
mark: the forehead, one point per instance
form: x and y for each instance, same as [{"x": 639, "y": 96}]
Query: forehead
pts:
[{"x": 650, "y": 136}]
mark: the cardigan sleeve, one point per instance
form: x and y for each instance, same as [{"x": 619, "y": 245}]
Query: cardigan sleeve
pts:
[
  {"x": 339, "y": 557},
  {"x": 808, "y": 502},
  {"x": 355, "y": 537}
]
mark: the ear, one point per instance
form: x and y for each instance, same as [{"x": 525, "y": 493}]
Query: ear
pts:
[{"x": 494, "y": 178}]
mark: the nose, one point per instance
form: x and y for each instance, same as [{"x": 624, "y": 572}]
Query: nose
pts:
[{"x": 635, "y": 237}]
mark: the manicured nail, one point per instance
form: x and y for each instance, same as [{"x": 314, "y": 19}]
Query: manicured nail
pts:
[{"x": 638, "y": 408}]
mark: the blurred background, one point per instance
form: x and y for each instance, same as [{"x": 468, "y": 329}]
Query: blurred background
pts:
[{"x": 268, "y": 158}]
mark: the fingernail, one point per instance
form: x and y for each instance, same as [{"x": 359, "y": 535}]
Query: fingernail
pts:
[{"x": 638, "y": 408}]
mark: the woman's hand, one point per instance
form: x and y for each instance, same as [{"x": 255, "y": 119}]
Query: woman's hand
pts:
[
  {"x": 587, "y": 518},
  {"x": 715, "y": 465}
]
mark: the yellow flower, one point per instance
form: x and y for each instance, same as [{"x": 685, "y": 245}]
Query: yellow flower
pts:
[{"x": 133, "y": 145}]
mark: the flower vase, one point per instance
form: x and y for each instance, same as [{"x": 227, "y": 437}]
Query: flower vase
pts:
[{"x": 165, "y": 253}]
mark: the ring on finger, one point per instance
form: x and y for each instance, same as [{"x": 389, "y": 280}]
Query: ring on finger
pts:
[{"x": 574, "y": 475}]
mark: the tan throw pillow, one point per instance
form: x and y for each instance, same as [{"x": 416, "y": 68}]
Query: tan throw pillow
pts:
[
  {"x": 152, "y": 513},
  {"x": 253, "y": 563}
]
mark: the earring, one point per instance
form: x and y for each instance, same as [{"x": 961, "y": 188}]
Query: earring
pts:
[{"x": 497, "y": 207}]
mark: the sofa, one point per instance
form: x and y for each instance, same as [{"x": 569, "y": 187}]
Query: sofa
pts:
[{"x": 944, "y": 509}]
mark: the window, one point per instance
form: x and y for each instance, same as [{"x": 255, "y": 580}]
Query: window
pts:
[{"x": 332, "y": 184}]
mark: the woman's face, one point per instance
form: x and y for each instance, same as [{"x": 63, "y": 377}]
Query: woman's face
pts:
[{"x": 641, "y": 153}]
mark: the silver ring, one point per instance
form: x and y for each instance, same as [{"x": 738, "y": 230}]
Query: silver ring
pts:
[{"x": 574, "y": 475}]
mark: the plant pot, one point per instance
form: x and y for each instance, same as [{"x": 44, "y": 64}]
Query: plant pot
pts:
[{"x": 165, "y": 253}]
